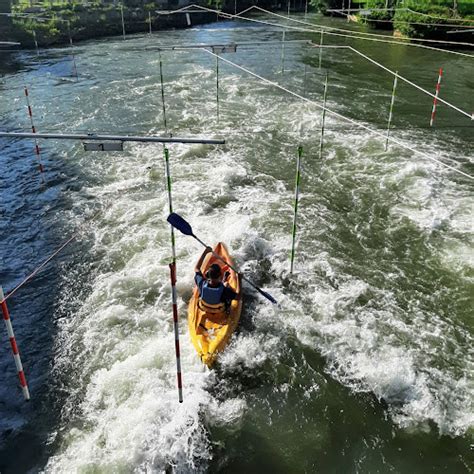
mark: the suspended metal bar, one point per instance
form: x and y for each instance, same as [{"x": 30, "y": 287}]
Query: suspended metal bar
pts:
[
  {"x": 230, "y": 47},
  {"x": 122, "y": 138}
]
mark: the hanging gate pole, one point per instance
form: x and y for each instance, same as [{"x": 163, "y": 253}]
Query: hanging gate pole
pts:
[
  {"x": 217, "y": 87},
  {"x": 435, "y": 100},
  {"x": 172, "y": 267},
  {"x": 283, "y": 52},
  {"x": 33, "y": 129},
  {"x": 297, "y": 193},
  {"x": 123, "y": 21},
  {"x": 321, "y": 48},
  {"x": 163, "y": 94},
  {"x": 149, "y": 21},
  {"x": 36, "y": 43},
  {"x": 72, "y": 50},
  {"x": 14, "y": 346},
  {"x": 323, "y": 118},
  {"x": 391, "y": 108}
]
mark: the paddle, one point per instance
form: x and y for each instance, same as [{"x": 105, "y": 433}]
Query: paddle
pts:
[{"x": 183, "y": 226}]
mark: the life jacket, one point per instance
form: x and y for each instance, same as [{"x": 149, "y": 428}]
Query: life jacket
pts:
[{"x": 210, "y": 300}]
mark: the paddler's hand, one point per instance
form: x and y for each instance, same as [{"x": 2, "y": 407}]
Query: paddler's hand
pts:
[{"x": 208, "y": 250}]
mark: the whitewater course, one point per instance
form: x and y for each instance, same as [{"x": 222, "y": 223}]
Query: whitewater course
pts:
[{"x": 367, "y": 363}]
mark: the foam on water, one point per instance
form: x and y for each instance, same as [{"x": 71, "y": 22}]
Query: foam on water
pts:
[{"x": 121, "y": 413}]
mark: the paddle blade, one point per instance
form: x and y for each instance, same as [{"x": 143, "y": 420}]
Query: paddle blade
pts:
[
  {"x": 267, "y": 296},
  {"x": 179, "y": 223}
]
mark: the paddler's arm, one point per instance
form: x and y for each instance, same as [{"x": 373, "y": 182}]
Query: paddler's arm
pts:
[
  {"x": 235, "y": 296},
  {"x": 197, "y": 268}
]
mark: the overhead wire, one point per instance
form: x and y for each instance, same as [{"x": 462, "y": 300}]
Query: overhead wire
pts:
[
  {"x": 319, "y": 28},
  {"x": 338, "y": 115}
]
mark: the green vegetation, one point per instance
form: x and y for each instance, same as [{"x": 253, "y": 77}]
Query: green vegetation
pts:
[{"x": 413, "y": 18}]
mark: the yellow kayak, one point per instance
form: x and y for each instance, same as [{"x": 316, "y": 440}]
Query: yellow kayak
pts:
[{"x": 211, "y": 332}]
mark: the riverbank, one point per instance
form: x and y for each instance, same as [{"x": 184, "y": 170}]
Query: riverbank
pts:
[
  {"x": 415, "y": 19},
  {"x": 53, "y": 24}
]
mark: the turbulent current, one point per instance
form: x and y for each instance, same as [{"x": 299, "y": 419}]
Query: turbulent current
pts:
[{"x": 367, "y": 366}]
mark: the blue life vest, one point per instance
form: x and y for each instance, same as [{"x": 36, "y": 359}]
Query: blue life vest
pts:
[{"x": 212, "y": 295}]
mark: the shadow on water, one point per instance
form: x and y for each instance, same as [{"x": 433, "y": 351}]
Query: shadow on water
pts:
[{"x": 32, "y": 217}]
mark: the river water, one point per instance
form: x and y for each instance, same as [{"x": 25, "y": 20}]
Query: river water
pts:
[{"x": 368, "y": 364}]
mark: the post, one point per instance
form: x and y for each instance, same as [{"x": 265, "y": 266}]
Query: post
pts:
[
  {"x": 321, "y": 48},
  {"x": 123, "y": 21},
  {"x": 172, "y": 266},
  {"x": 323, "y": 118},
  {"x": 217, "y": 87},
  {"x": 14, "y": 346},
  {"x": 297, "y": 192},
  {"x": 395, "y": 79},
  {"x": 283, "y": 52},
  {"x": 33, "y": 129},
  {"x": 163, "y": 95},
  {"x": 435, "y": 100},
  {"x": 36, "y": 43},
  {"x": 149, "y": 21}
]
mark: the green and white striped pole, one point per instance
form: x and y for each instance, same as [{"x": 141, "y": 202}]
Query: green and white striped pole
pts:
[
  {"x": 172, "y": 266},
  {"x": 297, "y": 193},
  {"x": 323, "y": 118},
  {"x": 321, "y": 48},
  {"x": 283, "y": 52},
  {"x": 123, "y": 21},
  {"x": 391, "y": 108},
  {"x": 163, "y": 95},
  {"x": 217, "y": 86}
]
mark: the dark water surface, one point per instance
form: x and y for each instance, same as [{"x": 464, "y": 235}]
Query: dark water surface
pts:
[{"x": 367, "y": 366}]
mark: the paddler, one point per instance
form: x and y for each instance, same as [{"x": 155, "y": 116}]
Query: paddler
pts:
[{"x": 215, "y": 294}]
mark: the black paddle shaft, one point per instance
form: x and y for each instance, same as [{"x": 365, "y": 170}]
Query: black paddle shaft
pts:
[{"x": 183, "y": 226}]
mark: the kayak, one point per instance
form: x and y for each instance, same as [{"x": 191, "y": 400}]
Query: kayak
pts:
[{"x": 211, "y": 332}]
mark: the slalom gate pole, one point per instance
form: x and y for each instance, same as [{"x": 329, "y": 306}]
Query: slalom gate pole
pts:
[
  {"x": 36, "y": 43},
  {"x": 395, "y": 79},
  {"x": 289, "y": 3},
  {"x": 123, "y": 21},
  {"x": 349, "y": 11},
  {"x": 172, "y": 267},
  {"x": 297, "y": 193},
  {"x": 306, "y": 10},
  {"x": 321, "y": 48},
  {"x": 163, "y": 95},
  {"x": 304, "y": 78},
  {"x": 217, "y": 87},
  {"x": 149, "y": 21},
  {"x": 14, "y": 346},
  {"x": 323, "y": 118},
  {"x": 435, "y": 100},
  {"x": 283, "y": 52},
  {"x": 33, "y": 129},
  {"x": 72, "y": 51}
]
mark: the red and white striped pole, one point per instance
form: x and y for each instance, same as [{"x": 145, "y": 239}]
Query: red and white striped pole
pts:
[
  {"x": 37, "y": 149},
  {"x": 435, "y": 100},
  {"x": 16, "y": 354},
  {"x": 176, "y": 330}
]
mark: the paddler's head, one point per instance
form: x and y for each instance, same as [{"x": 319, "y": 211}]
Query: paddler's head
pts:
[{"x": 214, "y": 275}]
